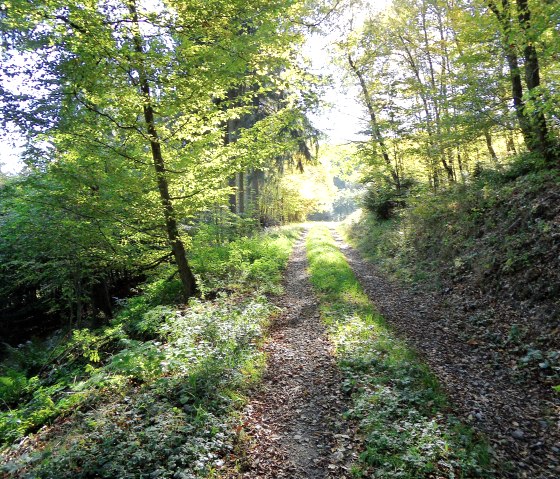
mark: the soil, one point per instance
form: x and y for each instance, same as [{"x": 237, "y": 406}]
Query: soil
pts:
[
  {"x": 293, "y": 426},
  {"x": 519, "y": 416}
]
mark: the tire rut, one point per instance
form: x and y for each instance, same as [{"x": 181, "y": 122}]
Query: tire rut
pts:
[{"x": 294, "y": 423}]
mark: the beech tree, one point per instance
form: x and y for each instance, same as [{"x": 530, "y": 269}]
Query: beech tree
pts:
[
  {"x": 130, "y": 99},
  {"x": 441, "y": 81},
  {"x": 520, "y": 35}
]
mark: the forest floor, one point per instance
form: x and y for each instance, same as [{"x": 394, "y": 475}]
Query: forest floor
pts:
[
  {"x": 293, "y": 426},
  {"x": 520, "y": 420}
]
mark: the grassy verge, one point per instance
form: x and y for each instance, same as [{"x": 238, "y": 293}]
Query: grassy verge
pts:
[
  {"x": 154, "y": 393},
  {"x": 403, "y": 415}
]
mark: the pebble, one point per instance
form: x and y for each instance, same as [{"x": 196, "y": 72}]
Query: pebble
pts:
[{"x": 518, "y": 434}]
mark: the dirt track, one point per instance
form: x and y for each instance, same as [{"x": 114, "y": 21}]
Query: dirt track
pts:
[
  {"x": 294, "y": 423},
  {"x": 521, "y": 421}
]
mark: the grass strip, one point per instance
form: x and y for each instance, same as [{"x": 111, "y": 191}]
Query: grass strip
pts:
[{"x": 402, "y": 414}]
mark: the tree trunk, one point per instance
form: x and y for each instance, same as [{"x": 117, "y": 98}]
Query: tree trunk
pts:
[
  {"x": 510, "y": 143},
  {"x": 534, "y": 129},
  {"x": 101, "y": 302},
  {"x": 489, "y": 145},
  {"x": 255, "y": 188},
  {"x": 460, "y": 163},
  {"x": 378, "y": 137},
  {"x": 240, "y": 193},
  {"x": 177, "y": 247},
  {"x": 428, "y": 115},
  {"x": 504, "y": 18},
  {"x": 540, "y": 137},
  {"x": 232, "y": 196},
  {"x": 447, "y": 166},
  {"x": 79, "y": 302}
]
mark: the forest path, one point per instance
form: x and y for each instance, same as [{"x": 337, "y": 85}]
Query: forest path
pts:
[
  {"x": 520, "y": 421},
  {"x": 294, "y": 422}
]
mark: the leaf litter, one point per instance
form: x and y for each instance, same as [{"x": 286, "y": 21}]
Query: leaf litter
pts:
[
  {"x": 293, "y": 426},
  {"x": 520, "y": 419}
]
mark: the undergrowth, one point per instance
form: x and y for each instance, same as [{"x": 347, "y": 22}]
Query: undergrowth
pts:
[
  {"x": 498, "y": 225},
  {"x": 402, "y": 413},
  {"x": 496, "y": 236},
  {"x": 153, "y": 393}
]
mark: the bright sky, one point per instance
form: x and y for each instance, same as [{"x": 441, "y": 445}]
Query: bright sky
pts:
[
  {"x": 9, "y": 156},
  {"x": 341, "y": 123},
  {"x": 345, "y": 119}
]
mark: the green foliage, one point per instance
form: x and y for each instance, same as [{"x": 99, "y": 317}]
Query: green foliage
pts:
[
  {"x": 385, "y": 201},
  {"x": 120, "y": 118},
  {"x": 499, "y": 214},
  {"x": 177, "y": 420},
  {"x": 397, "y": 403},
  {"x": 160, "y": 383},
  {"x": 244, "y": 261},
  {"x": 435, "y": 86},
  {"x": 141, "y": 314},
  {"x": 13, "y": 385}
]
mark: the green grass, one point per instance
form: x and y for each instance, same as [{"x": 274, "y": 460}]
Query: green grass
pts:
[
  {"x": 154, "y": 393},
  {"x": 402, "y": 413}
]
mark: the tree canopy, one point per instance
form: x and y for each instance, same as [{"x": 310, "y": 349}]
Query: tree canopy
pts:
[{"x": 136, "y": 116}]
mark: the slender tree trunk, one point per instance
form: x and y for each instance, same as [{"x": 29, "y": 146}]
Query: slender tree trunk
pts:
[
  {"x": 532, "y": 79},
  {"x": 504, "y": 18},
  {"x": 247, "y": 192},
  {"x": 79, "y": 302},
  {"x": 231, "y": 128},
  {"x": 517, "y": 95},
  {"x": 460, "y": 163},
  {"x": 232, "y": 199},
  {"x": 489, "y": 145},
  {"x": 177, "y": 247},
  {"x": 101, "y": 302},
  {"x": 240, "y": 193},
  {"x": 510, "y": 143},
  {"x": 436, "y": 178},
  {"x": 534, "y": 128},
  {"x": 433, "y": 87},
  {"x": 444, "y": 77},
  {"x": 255, "y": 182},
  {"x": 428, "y": 114},
  {"x": 374, "y": 125}
]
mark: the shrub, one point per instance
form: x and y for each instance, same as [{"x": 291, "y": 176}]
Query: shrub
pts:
[{"x": 384, "y": 201}]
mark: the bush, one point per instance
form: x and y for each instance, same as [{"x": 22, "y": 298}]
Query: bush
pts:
[
  {"x": 13, "y": 384},
  {"x": 242, "y": 263},
  {"x": 384, "y": 201}
]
